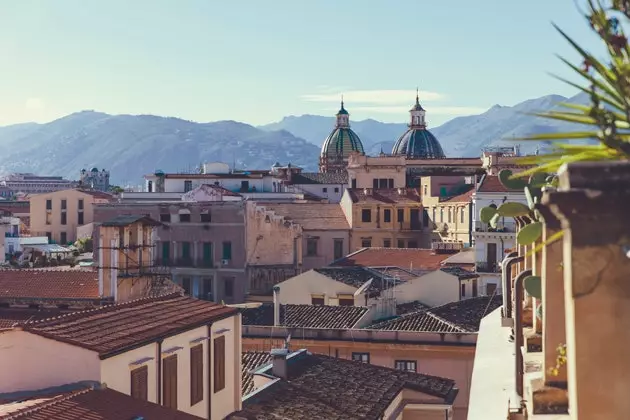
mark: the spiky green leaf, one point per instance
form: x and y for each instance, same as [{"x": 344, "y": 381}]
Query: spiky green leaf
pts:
[
  {"x": 512, "y": 209},
  {"x": 487, "y": 213}
]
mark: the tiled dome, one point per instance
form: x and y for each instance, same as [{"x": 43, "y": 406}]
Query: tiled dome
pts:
[{"x": 418, "y": 143}]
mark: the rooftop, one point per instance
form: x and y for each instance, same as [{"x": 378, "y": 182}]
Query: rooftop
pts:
[
  {"x": 126, "y": 220},
  {"x": 312, "y": 216},
  {"x": 12, "y": 316},
  {"x": 211, "y": 188},
  {"x": 466, "y": 257},
  {"x": 464, "y": 197},
  {"x": 385, "y": 195},
  {"x": 322, "y": 387},
  {"x": 462, "y": 316},
  {"x": 320, "y": 178},
  {"x": 413, "y": 259},
  {"x": 491, "y": 184},
  {"x": 53, "y": 284},
  {"x": 69, "y": 403},
  {"x": 116, "y": 328},
  {"x": 358, "y": 276},
  {"x": 460, "y": 273},
  {"x": 409, "y": 307},
  {"x": 306, "y": 316},
  {"x": 96, "y": 193},
  {"x": 251, "y": 360}
]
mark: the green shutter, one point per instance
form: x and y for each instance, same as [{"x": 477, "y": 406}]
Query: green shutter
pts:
[
  {"x": 227, "y": 250},
  {"x": 207, "y": 252},
  {"x": 185, "y": 249},
  {"x": 166, "y": 251}
]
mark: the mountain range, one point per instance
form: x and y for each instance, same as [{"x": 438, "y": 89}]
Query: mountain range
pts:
[{"x": 131, "y": 146}]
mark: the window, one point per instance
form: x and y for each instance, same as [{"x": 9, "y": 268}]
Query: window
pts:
[
  {"x": 317, "y": 300},
  {"x": 228, "y": 286},
  {"x": 366, "y": 215},
  {"x": 336, "y": 189},
  {"x": 48, "y": 204},
  {"x": 184, "y": 217},
  {"x": 433, "y": 211},
  {"x": 140, "y": 383},
  {"x": 80, "y": 204},
  {"x": 338, "y": 248},
  {"x": 387, "y": 243},
  {"x": 205, "y": 217},
  {"x": 401, "y": 243},
  {"x": 366, "y": 243},
  {"x": 219, "y": 363},
  {"x": 449, "y": 215},
  {"x": 185, "y": 250},
  {"x": 196, "y": 374},
  {"x": 412, "y": 244},
  {"x": 311, "y": 247},
  {"x": 346, "y": 301},
  {"x": 165, "y": 218},
  {"x": 150, "y": 186},
  {"x": 166, "y": 251},
  {"x": 64, "y": 218},
  {"x": 169, "y": 381},
  {"x": 425, "y": 218},
  {"x": 187, "y": 185},
  {"x": 80, "y": 218},
  {"x": 227, "y": 251},
  {"x": 401, "y": 215},
  {"x": 391, "y": 183},
  {"x": 375, "y": 183},
  {"x": 406, "y": 365},
  {"x": 354, "y": 183},
  {"x": 63, "y": 238},
  {"x": 244, "y": 186},
  {"x": 463, "y": 293},
  {"x": 441, "y": 214},
  {"x": 361, "y": 357},
  {"x": 324, "y": 189},
  {"x": 424, "y": 190},
  {"x": 64, "y": 204},
  {"x": 207, "y": 254},
  {"x": 491, "y": 288},
  {"x": 49, "y": 236},
  {"x": 474, "y": 288},
  {"x": 387, "y": 215},
  {"x": 461, "y": 220},
  {"x": 186, "y": 285}
]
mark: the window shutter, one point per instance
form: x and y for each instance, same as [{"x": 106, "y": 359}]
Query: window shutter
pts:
[
  {"x": 219, "y": 363},
  {"x": 196, "y": 374},
  {"x": 140, "y": 383},
  {"x": 169, "y": 382}
]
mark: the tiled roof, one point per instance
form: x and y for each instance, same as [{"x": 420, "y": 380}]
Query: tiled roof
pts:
[
  {"x": 126, "y": 220},
  {"x": 460, "y": 273},
  {"x": 48, "y": 284},
  {"x": 306, "y": 316},
  {"x": 358, "y": 276},
  {"x": 406, "y": 258},
  {"x": 461, "y": 316},
  {"x": 465, "y": 197},
  {"x": 415, "y": 306},
  {"x": 322, "y": 387},
  {"x": 251, "y": 360},
  {"x": 491, "y": 184},
  {"x": 396, "y": 272},
  {"x": 320, "y": 178},
  {"x": 88, "y": 404},
  {"x": 465, "y": 258},
  {"x": 115, "y": 328},
  {"x": 385, "y": 195},
  {"x": 12, "y": 316},
  {"x": 312, "y": 216}
]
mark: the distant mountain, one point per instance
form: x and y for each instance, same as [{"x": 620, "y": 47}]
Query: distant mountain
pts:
[
  {"x": 461, "y": 136},
  {"x": 131, "y": 146}
]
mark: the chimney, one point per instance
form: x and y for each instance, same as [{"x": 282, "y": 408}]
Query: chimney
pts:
[
  {"x": 279, "y": 366},
  {"x": 276, "y": 306}
]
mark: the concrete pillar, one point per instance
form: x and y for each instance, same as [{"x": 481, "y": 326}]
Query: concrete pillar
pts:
[{"x": 592, "y": 205}]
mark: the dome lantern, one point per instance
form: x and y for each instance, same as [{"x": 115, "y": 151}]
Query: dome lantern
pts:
[{"x": 339, "y": 144}]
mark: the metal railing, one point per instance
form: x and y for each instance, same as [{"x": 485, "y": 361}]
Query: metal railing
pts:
[
  {"x": 487, "y": 267},
  {"x": 184, "y": 262}
]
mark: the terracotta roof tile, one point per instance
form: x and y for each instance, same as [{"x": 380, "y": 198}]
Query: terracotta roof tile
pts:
[
  {"x": 460, "y": 273},
  {"x": 312, "y": 216},
  {"x": 465, "y": 197},
  {"x": 306, "y": 316},
  {"x": 48, "y": 284},
  {"x": 114, "y": 328},
  {"x": 405, "y": 258},
  {"x": 12, "y": 316},
  {"x": 409, "y": 307},
  {"x": 358, "y": 276},
  {"x": 491, "y": 184},
  {"x": 461, "y": 316},
  {"x": 251, "y": 360},
  {"x": 322, "y": 387},
  {"x": 89, "y": 404},
  {"x": 320, "y": 178},
  {"x": 385, "y": 195}
]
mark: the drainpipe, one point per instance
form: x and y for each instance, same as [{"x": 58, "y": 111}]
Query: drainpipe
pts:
[
  {"x": 210, "y": 367},
  {"x": 519, "y": 292},
  {"x": 509, "y": 261},
  {"x": 276, "y": 306},
  {"x": 159, "y": 372}
]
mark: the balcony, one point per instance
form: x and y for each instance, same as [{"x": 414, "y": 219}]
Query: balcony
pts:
[
  {"x": 487, "y": 267},
  {"x": 184, "y": 263},
  {"x": 506, "y": 226}
]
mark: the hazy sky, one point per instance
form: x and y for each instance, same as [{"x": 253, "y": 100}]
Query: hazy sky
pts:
[{"x": 257, "y": 61}]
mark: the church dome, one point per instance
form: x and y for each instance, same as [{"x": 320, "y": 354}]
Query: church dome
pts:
[
  {"x": 342, "y": 140},
  {"x": 418, "y": 142}
]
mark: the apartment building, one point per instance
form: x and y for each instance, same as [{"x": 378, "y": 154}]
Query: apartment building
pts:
[{"x": 58, "y": 214}]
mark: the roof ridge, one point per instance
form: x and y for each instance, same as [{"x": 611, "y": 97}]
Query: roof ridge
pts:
[
  {"x": 451, "y": 324},
  {"x": 47, "y": 403}
]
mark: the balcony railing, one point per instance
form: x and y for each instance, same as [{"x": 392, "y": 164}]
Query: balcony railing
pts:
[
  {"x": 502, "y": 227},
  {"x": 487, "y": 267},
  {"x": 184, "y": 262}
]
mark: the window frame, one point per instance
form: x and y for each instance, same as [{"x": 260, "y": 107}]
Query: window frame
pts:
[
  {"x": 140, "y": 374},
  {"x": 387, "y": 215},
  {"x": 311, "y": 247},
  {"x": 405, "y": 365},
  {"x": 196, "y": 374},
  {"x": 169, "y": 393},
  {"x": 360, "y": 356},
  {"x": 366, "y": 215},
  {"x": 218, "y": 364}
]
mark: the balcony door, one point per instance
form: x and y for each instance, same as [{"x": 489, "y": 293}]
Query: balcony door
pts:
[
  {"x": 491, "y": 255},
  {"x": 416, "y": 223}
]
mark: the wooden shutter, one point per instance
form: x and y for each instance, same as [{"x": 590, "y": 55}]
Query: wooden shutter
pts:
[
  {"x": 219, "y": 363},
  {"x": 140, "y": 383},
  {"x": 169, "y": 381},
  {"x": 196, "y": 374}
]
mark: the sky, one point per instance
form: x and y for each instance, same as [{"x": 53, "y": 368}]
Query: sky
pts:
[{"x": 257, "y": 61}]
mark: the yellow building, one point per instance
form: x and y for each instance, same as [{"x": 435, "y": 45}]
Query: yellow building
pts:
[
  {"x": 388, "y": 217},
  {"x": 58, "y": 214}
]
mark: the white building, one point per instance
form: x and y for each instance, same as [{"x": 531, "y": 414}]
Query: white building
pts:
[
  {"x": 11, "y": 234},
  {"x": 491, "y": 245}
]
